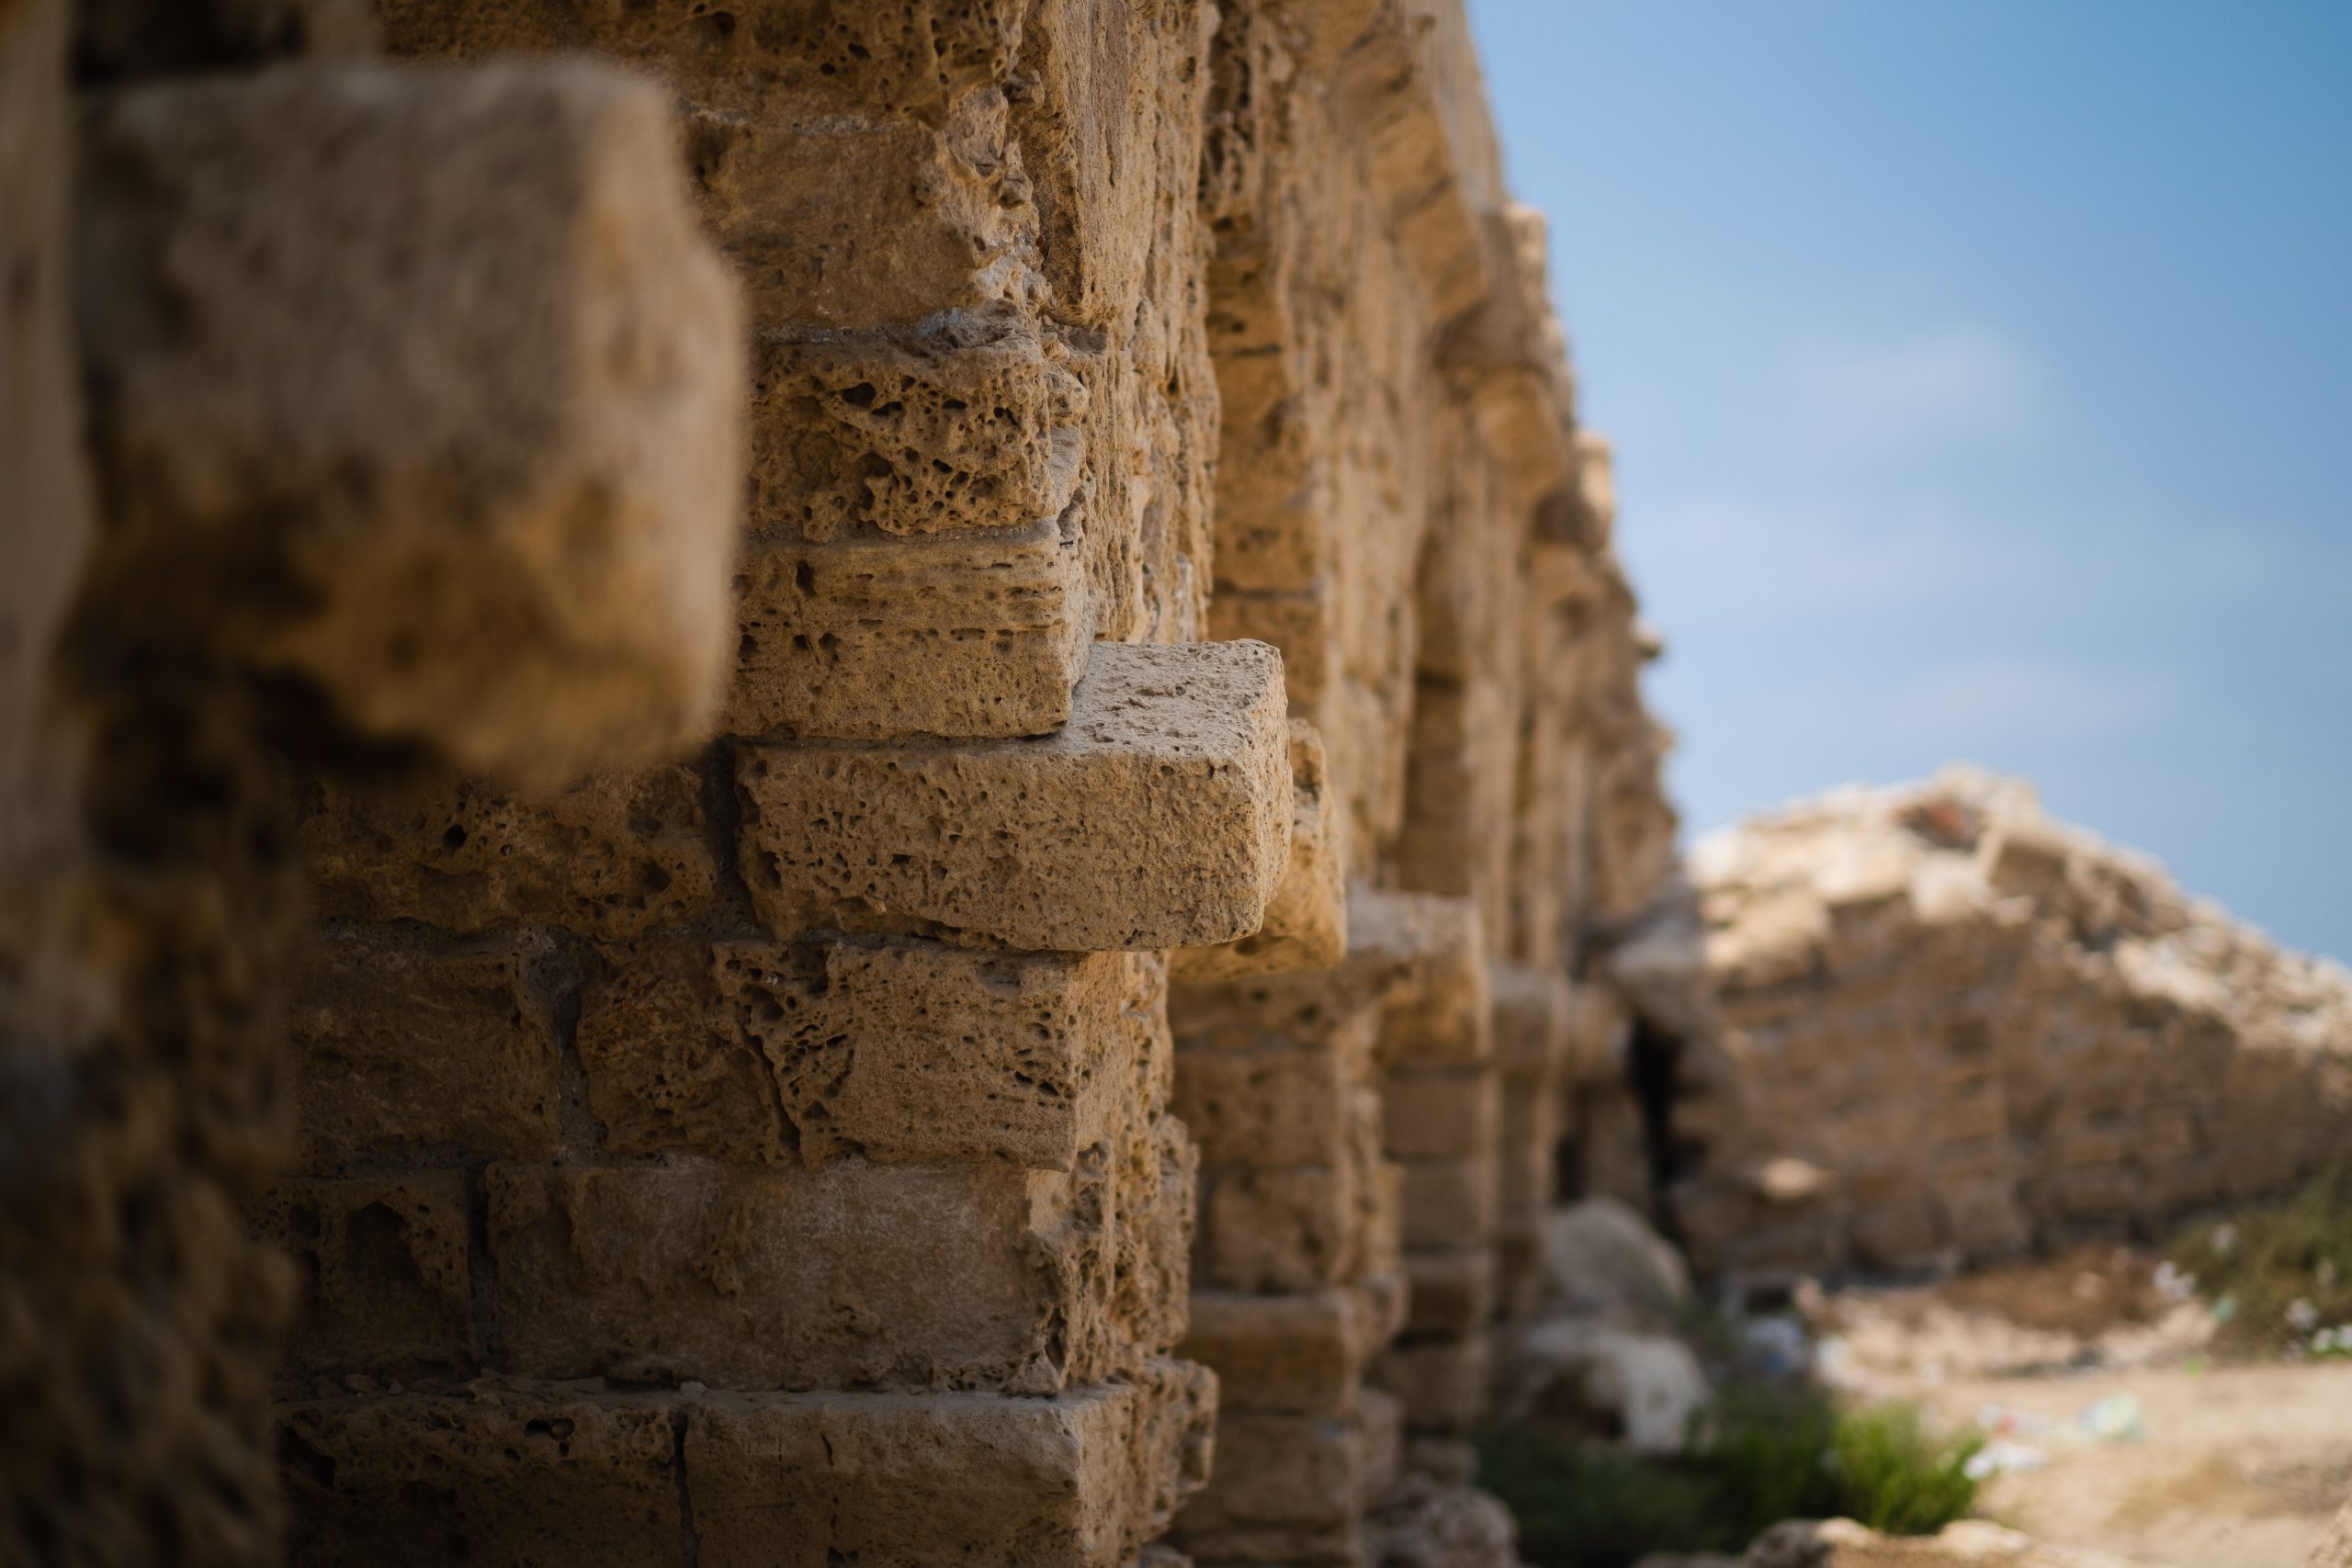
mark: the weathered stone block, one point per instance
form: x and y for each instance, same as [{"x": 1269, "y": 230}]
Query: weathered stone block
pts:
[
  {"x": 1274, "y": 1105},
  {"x": 1082, "y": 1479},
  {"x": 399, "y": 1044},
  {"x": 1300, "y": 623},
  {"x": 1440, "y": 1384},
  {"x": 517, "y": 1475},
  {"x": 866, "y": 637},
  {"x": 1449, "y": 1201},
  {"x": 609, "y": 858},
  {"x": 1294, "y": 1228},
  {"x": 1287, "y": 1489},
  {"x": 1536, "y": 1019},
  {"x": 901, "y": 1051},
  {"x": 1307, "y": 924},
  {"x": 854, "y": 1276},
  {"x": 499, "y": 516},
  {"x": 1441, "y": 1113},
  {"x": 1158, "y": 817},
  {"x": 1453, "y": 1290},
  {"x": 514, "y": 1472},
  {"x": 388, "y": 1284},
  {"x": 1304, "y": 1353},
  {"x": 969, "y": 422},
  {"x": 1443, "y": 1012}
]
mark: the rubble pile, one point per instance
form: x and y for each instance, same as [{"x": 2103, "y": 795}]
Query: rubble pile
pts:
[{"x": 1953, "y": 1030}]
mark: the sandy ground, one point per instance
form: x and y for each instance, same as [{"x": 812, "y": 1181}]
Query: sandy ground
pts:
[{"x": 2227, "y": 1465}]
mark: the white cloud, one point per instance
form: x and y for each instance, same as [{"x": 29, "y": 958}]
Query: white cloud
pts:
[{"x": 1959, "y": 387}]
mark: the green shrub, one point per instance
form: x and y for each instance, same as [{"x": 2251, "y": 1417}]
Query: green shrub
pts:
[
  {"x": 1769, "y": 1453},
  {"x": 1893, "y": 1475}
]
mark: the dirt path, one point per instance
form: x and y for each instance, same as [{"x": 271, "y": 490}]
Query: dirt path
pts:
[
  {"x": 2240, "y": 1467},
  {"x": 2206, "y": 1464}
]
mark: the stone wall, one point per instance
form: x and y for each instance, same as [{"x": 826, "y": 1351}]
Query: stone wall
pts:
[
  {"x": 1955, "y": 1028},
  {"x": 358, "y": 421},
  {"x": 1122, "y": 926}
]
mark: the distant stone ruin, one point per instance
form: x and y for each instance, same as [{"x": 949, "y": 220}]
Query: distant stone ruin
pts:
[
  {"x": 1954, "y": 1029},
  {"x": 858, "y": 771}
]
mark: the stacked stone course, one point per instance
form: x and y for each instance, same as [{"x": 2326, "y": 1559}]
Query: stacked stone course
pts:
[{"x": 1127, "y": 923}]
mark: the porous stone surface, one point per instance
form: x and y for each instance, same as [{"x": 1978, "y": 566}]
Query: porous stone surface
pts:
[
  {"x": 1180, "y": 793},
  {"x": 1976, "y": 1029},
  {"x": 508, "y": 264},
  {"x": 406, "y": 407},
  {"x": 987, "y": 841}
]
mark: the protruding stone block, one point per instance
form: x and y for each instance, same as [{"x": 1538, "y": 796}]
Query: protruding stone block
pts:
[
  {"x": 1158, "y": 817},
  {"x": 869, "y": 638},
  {"x": 497, "y": 517},
  {"x": 401, "y": 1044},
  {"x": 855, "y": 1276},
  {"x": 609, "y": 857},
  {"x": 1307, "y": 925},
  {"x": 901, "y": 1051}
]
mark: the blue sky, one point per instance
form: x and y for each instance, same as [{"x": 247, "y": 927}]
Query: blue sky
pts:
[{"x": 1981, "y": 377}]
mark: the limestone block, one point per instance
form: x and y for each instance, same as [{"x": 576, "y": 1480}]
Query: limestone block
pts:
[
  {"x": 1449, "y": 1201},
  {"x": 1287, "y": 1489},
  {"x": 1535, "y": 1015},
  {"x": 514, "y": 1472},
  {"x": 609, "y": 857},
  {"x": 854, "y": 1276},
  {"x": 389, "y": 1288},
  {"x": 868, "y": 638},
  {"x": 1441, "y": 1113},
  {"x": 498, "y": 516},
  {"x": 1446, "y": 1015},
  {"x": 1082, "y": 1479},
  {"x": 854, "y": 223},
  {"x": 1268, "y": 1107},
  {"x": 1158, "y": 817},
  {"x": 1303, "y": 1353},
  {"x": 1293, "y": 1228},
  {"x": 1299, "y": 622},
  {"x": 1114, "y": 149},
  {"x": 1415, "y": 955},
  {"x": 899, "y": 1051},
  {"x": 399, "y": 1044},
  {"x": 1453, "y": 1290},
  {"x": 969, "y": 422},
  {"x": 1440, "y": 1384},
  {"x": 1307, "y": 924},
  {"x": 517, "y": 1475}
]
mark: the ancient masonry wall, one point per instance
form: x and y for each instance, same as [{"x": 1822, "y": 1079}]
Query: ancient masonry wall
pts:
[
  {"x": 1953, "y": 1028},
  {"x": 1127, "y": 926},
  {"x": 356, "y": 421}
]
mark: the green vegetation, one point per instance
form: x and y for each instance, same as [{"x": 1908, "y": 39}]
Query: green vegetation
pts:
[
  {"x": 1770, "y": 1453},
  {"x": 2256, "y": 1266}
]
